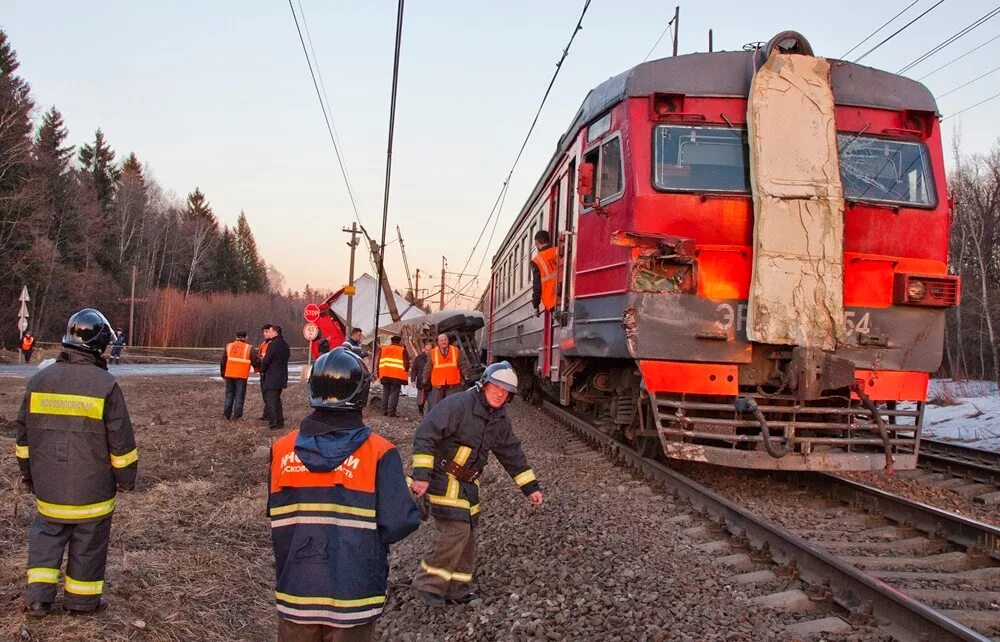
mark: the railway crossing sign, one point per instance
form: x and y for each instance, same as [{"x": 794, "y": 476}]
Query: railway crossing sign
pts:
[
  {"x": 310, "y": 331},
  {"x": 311, "y": 313}
]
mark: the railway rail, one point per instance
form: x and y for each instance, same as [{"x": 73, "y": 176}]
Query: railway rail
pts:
[
  {"x": 913, "y": 571},
  {"x": 970, "y": 472}
]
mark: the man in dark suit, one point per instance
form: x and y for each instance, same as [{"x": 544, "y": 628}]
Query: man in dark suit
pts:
[{"x": 274, "y": 368}]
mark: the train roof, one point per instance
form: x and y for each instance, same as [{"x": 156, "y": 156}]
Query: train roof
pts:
[{"x": 727, "y": 74}]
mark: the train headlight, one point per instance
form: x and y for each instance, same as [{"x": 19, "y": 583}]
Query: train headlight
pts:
[{"x": 915, "y": 290}]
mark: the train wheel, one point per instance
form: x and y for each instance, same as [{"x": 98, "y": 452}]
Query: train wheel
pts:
[{"x": 648, "y": 447}]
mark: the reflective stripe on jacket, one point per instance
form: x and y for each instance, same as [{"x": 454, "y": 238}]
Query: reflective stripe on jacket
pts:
[
  {"x": 392, "y": 363},
  {"x": 444, "y": 369},
  {"x": 74, "y": 439},
  {"x": 547, "y": 262},
  {"x": 237, "y": 360},
  {"x": 464, "y": 429},
  {"x": 331, "y": 531}
]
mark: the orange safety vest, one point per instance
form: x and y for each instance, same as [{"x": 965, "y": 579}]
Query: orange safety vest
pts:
[
  {"x": 390, "y": 363},
  {"x": 445, "y": 370},
  {"x": 27, "y": 342},
  {"x": 237, "y": 360},
  {"x": 547, "y": 262}
]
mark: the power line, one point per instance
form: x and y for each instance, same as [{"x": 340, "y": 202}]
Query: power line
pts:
[
  {"x": 495, "y": 211},
  {"x": 953, "y": 61},
  {"x": 947, "y": 41},
  {"x": 670, "y": 23},
  {"x": 872, "y": 34},
  {"x": 962, "y": 111},
  {"x": 962, "y": 86},
  {"x": 899, "y": 31},
  {"x": 327, "y": 119}
]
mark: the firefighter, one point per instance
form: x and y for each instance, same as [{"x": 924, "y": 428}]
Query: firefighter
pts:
[
  {"x": 75, "y": 448},
  {"x": 393, "y": 368},
  {"x": 416, "y": 372},
  {"x": 338, "y": 499},
  {"x": 446, "y": 370},
  {"x": 235, "y": 369},
  {"x": 450, "y": 451},
  {"x": 27, "y": 346},
  {"x": 543, "y": 273}
]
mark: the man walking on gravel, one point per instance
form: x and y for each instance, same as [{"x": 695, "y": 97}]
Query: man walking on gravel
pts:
[
  {"x": 450, "y": 450},
  {"x": 76, "y": 449},
  {"x": 445, "y": 370},
  {"x": 274, "y": 373},
  {"x": 338, "y": 499}
]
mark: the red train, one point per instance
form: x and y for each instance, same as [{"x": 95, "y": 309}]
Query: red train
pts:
[{"x": 694, "y": 318}]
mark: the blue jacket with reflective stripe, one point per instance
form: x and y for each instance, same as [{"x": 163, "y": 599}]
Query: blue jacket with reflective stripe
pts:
[{"x": 338, "y": 498}]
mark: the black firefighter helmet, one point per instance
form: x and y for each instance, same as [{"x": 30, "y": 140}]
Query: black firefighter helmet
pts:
[
  {"x": 339, "y": 380},
  {"x": 88, "y": 330}
]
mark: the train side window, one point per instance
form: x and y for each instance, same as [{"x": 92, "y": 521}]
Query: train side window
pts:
[
  {"x": 608, "y": 171},
  {"x": 521, "y": 260}
]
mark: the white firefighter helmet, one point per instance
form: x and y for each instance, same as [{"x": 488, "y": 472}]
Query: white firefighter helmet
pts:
[{"x": 501, "y": 374}]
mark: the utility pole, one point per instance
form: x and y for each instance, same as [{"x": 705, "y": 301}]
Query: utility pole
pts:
[
  {"x": 406, "y": 264},
  {"x": 390, "y": 298},
  {"x": 677, "y": 26},
  {"x": 354, "y": 231},
  {"x": 709, "y": 41},
  {"x": 131, "y": 310},
  {"x": 444, "y": 265},
  {"x": 416, "y": 287}
]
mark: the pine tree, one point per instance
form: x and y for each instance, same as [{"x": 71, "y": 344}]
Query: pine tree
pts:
[
  {"x": 52, "y": 168},
  {"x": 228, "y": 272},
  {"x": 15, "y": 163},
  {"x": 98, "y": 160},
  {"x": 252, "y": 268},
  {"x": 127, "y": 218}
]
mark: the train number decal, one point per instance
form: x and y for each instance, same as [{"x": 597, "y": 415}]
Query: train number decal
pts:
[{"x": 730, "y": 314}]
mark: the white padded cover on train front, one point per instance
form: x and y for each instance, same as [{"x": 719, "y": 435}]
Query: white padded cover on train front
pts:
[{"x": 796, "y": 289}]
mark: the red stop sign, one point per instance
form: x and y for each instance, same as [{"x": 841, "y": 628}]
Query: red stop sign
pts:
[{"x": 311, "y": 313}]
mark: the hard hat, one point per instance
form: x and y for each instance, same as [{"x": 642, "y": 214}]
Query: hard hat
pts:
[
  {"x": 501, "y": 374},
  {"x": 88, "y": 330},
  {"x": 340, "y": 380}
]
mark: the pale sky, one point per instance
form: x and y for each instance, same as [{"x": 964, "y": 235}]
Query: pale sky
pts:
[{"x": 217, "y": 95}]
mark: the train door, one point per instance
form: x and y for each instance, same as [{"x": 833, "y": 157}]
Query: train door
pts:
[
  {"x": 550, "y": 362},
  {"x": 558, "y": 322}
]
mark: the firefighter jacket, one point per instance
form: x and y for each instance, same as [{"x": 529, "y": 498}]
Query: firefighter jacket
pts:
[
  {"x": 452, "y": 368},
  {"x": 543, "y": 277},
  {"x": 74, "y": 439},
  {"x": 338, "y": 498},
  {"x": 236, "y": 360},
  {"x": 393, "y": 363},
  {"x": 464, "y": 429},
  {"x": 26, "y": 342}
]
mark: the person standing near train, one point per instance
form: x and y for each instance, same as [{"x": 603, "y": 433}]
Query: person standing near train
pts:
[
  {"x": 451, "y": 448},
  {"x": 544, "y": 266},
  {"x": 446, "y": 370}
]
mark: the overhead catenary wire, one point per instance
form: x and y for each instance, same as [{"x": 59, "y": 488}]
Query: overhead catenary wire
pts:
[
  {"x": 954, "y": 60},
  {"x": 966, "y": 84},
  {"x": 962, "y": 111},
  {"x": 899, "y": 31},
  {"x": 884, "y": 25},
  {"x": 495, "y": 211},
  {"x": 951, "y": 39},
  {"x": 388, "y": 173}
]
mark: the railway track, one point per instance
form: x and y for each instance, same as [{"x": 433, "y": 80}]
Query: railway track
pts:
[
  {"x": 969, "y": 472},
  {"x": 912, "y": 571}
]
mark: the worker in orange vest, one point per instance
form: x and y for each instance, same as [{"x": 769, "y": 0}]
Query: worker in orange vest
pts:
[
  {"x": 446, "y": 370},
  {"x": 393, "y": 372},
  {"x": 235, "y": 370},
  {"x": 543, "y": 273},
  {"x": 27, "y": 346}
]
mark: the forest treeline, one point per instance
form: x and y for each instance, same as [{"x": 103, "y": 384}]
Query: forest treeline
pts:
[{"x": 76, "y": 220}]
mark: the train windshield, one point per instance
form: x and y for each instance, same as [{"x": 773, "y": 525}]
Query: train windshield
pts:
[
  {"x": 716, "y": 159},
  {"x": 887, "y": 171},
  {"x": 702, "y": 159}
]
